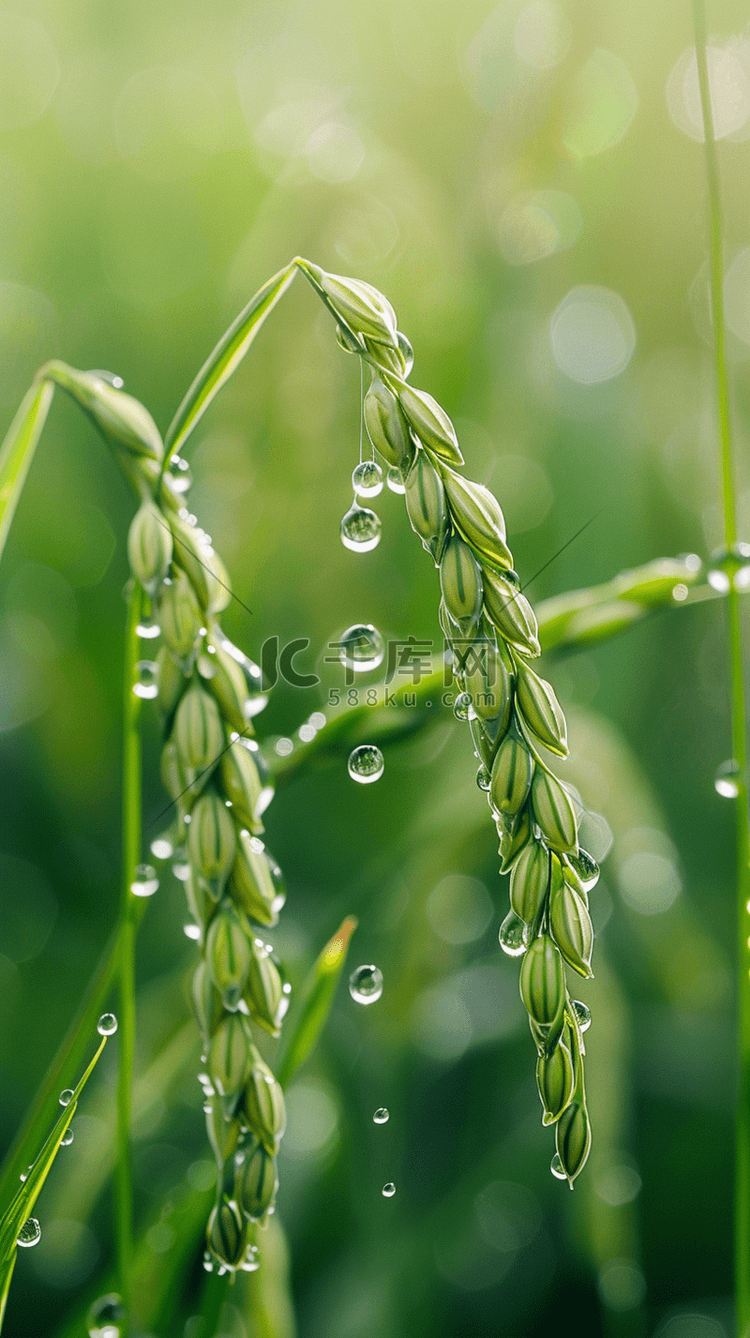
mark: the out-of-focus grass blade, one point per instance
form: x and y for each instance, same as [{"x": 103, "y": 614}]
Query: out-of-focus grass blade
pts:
[
  {"x": 318, "y": 993},
  {"x": 226, "y": 357},
  {"x": 26, "y": 1196},
  {"x": 17, "y": 451}
]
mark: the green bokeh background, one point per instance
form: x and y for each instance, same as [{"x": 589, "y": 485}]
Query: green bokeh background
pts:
[{"x": 157, "y": 164}]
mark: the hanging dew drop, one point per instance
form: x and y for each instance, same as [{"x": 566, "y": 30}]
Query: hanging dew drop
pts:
[
  {"x": 360, "y": 529},
  {"x": 67, "y": 1096},
  {"x": 191, "y": 931},
  {"x": 586, "y": 867},
  {"x": 395, "y": 480},
  {"x": 145, "y": 685},
  {"x": 366, "y": 984},
  {"x": 366, "y": 764},
  {"x": 67, "y": 1138},
  {"x": 583, "y": 1014},
  {"x": 145, "y": 881},
  {"x": 181, "y": 868},
  {"x": 407, "y": 352},
  {"x": 556, "y": 1167},
  {"x": 147, "y": 629},
  {"x": 30, "y": 1233},
  {"x": 107, "y": 1317},
  {"x": 107, "y": 1024},
  {"x": 361, "y": 648},
  {"x": 513, "y": 935},
  {"x": 367, "y": 479},
  {"x": 389, "y": 1190},
  {"x": 462, "y": 707},
  {"x": 484, "y": 778},
  {"x": 381, "y": 1116},
  {"x": 727, "y": 779}
]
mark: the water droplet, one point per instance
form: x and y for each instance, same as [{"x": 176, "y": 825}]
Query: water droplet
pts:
[
  {"x": 145, "y": 881},
  {"x": 366, "y": 984},
  {"x": 283, "y": 747},
  {"x": 181, "y": 867},
  {"x": 208, "y": 1262},
  {"x": 389, "y": 1190},
  {"x": 251, "y": 1261},
  {"x": 107, "y": 1317},
  {"x": 680, "y": 592},
  {"x": 361, "y": 648},
  {"x": 67, "y": 1138},
  {"x": 586, "y": 867},
  {"x": 583, "y": 1014},
  {"x": 111, "y": 378},
  {"x": 366, "y": 763},
  {"x": 381, "y": 1116},
  {"x": 145, "y": 684},
  {"x": 30, "y": 1233},
  {"x": 148, "y": 629},
  {"x": 462, "y": 707},
  {"x": 317, "y": 719},
  {"x": 161, "y": 847},
  {"x": 727, "y": 779},
  {"x": 360, "y": 529},
  {"x": 107, "y": 1024},
  {"x": 191, "y": 931},
  {"x": 484, "y": 777},
  {"x": 307, "y": 733},
  {"x": 395, "y": 480},
  {"x": 513, "y": 935},
  {"x": 367, "y": 479},
  {"x": 407, "y": 352},
  {"x": 67, "y": 1096},
  {"x": 730, "y": 567},
  {"x": 718, "y": 580},
  {"x": 556, "y": 1167}
]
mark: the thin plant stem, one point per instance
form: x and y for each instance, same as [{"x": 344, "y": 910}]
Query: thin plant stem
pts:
[
  {"x": 129, "y": 917},
  {"x": 737, "y": 687}
]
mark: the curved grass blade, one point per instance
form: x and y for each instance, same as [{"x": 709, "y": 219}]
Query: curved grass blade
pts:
[
  {"x": 17, "y": 451},
  {"x": 318, "y": 993},
  {"x": 225, "y": 358},
  {"x": 22, "y": 1205}
]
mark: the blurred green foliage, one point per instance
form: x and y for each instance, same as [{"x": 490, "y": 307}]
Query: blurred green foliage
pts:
[{"x": 512, "y": 178}]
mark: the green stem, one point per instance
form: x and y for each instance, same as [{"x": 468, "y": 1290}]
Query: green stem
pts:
[
  {"x": 129, "y": 917},
  {"x": 739, "y": 735}
]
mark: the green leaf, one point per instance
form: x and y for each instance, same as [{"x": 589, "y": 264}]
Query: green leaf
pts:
[
  {"x": 318, "y": 993},
  {"x": 225, "y": 358},
  {"x": 17, "y": 451},
  {"x": 22, "y": 1205}
]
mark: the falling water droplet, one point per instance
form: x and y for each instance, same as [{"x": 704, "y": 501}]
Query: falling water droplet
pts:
[
  {"x": 360, "y": 529},
  {"x": 67, "y": 1096},
  {"x": 407, "y": 352},
  {"x": 727, "y": 779},
  {"x": 67, "y": 1138},
  {"x": 30, "y": 1233},
  {"x": 147, "y": 629},
  {"x": 366, "y": 763},
  {"x": 161, "y": 847},
  {"x": 107, "y": 1317},
  {"x": 513, "y": 935},
  {"x": 367, "y": 479},
  {"x": 462, "y": 706},
  {"x": 586, "y": 867},
  {"x": 145, "y": 881},
  {"x": 395, "y": 480},
  {"x": 145, "y": 684},
  {"x": 107, "y": 1024},
  {"x": 484, "y": 777},
  {"x": 556, "y": 1167},
  {"x": 361, "y": 648},
  {"x": 366, "y": 984},
  {"x": 381, "y": 1116},
  {"x": 583, "y": 1014},
  {"x": 389, "y": 1190}
]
